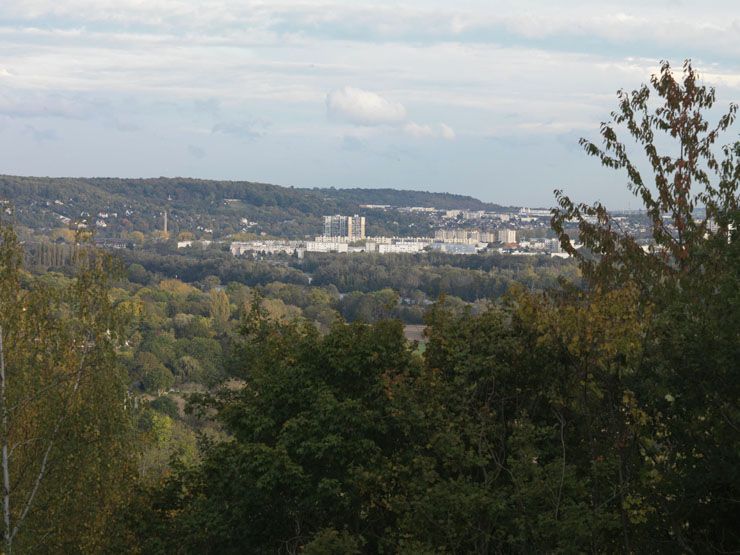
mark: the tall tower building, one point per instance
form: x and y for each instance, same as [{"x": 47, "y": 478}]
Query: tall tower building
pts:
[
  {"x": 350, "y": 227},
  {"x": 356, "y": 227},
  {"x": 507, "y": 236},
  {"x": 335, "y": 226}
]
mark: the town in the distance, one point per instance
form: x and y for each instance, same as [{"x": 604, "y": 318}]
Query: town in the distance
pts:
[
  {"x": 522, "y": 232},
  {"x": 257, "y": 220}
]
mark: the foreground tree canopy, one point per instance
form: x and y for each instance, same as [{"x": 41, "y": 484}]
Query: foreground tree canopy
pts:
[{"x": 601, "y": 419}]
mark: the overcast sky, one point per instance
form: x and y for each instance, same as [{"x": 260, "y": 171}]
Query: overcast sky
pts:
[{"x": 486, "y": 98}]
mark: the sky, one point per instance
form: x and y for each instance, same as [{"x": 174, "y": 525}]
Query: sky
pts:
[{"x": 486, "y": 98}]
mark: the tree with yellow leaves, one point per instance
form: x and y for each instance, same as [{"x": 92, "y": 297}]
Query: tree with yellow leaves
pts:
[{"x": 64, "y": 420}]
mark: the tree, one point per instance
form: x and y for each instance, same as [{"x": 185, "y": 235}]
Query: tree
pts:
[
  {"x": 220, "y": 310},
  {"x": 64, "y": 424},
  {"x": 138, "y": 274},
  {"x": 158, "y": 379},
  {"x": 63, "y": 234},
  {"x": 600, "y": 416},
  {"x": 315, "y": 435},
  {"x": 189, "y": 370},
  {"x": 137, "y": 237},
  {"x": 166, "y": 406},
  {"x": 675, "y": 406},
  {"x": 176, "y": 287},
  {"x": 695, "y": 177}
]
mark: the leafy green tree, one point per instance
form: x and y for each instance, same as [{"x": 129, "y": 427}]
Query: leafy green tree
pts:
[
  {"x": 315, "y": 434},
  {"x": 155, "y": 376},
  {"x": 65, "y": 432},
  {"x": 511, "y": 432},
  {"x": 162, "y": 345},
  {"x": 198, "y": 327},
  {"x": 188, "y": 369},
  {"x": 598, "y": 417},
  {"x": 165, "y": 405},
  {"x": 331, "y": 542},
  {"x": 220, "y": 310},
  {"x": 164, "y": 438},
  {"x": 138, "y": 274},
  {"x": 207, "y": 353},
  {"x": 675, "y": 410},
  {"x": 688, "y": 176}
]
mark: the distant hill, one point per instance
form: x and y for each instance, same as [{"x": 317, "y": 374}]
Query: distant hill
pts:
[
  {"x": 396, "y": 197},
  {"x": 221, "y": 206}
]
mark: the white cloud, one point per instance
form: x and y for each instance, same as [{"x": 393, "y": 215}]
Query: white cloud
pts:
[
  {"x": 361, "y": 107},
  {"x": 366, "y": 108},
  {"x": 416, "y": 130},
  {"x": 446, "y": 132},
  {"x": 442, "y": 131},
  {"x": 709, "y": 25}
]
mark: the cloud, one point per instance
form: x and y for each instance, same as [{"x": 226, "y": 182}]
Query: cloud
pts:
[
  {"x": 439, "y": 131},
  {"x": 413, "y": 20},
  {"x": 253, "y": 129},
  {"x": 366, "y": 108},
  {"x": 447, "y": 131},
  {"x": 706, "y": 30},
  {"x": 361, "y": 107}
]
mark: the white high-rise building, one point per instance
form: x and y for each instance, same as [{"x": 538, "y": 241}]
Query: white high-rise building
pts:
[
  {"x": 507, "y": 236},
  {"x": 335, "y": 226},
  {"x": 356, "y": 227},
  {"x": 351, "y": 227}
]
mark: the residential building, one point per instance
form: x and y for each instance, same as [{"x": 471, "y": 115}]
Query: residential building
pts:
[
  {"x": 335, "y": 226},
  {"x": 464, "y": 236},
  {"x": 356, "y": 227},
  {"x": 402, "y": 247},
  {"x": 535, "y": 212},
  {"x": 194, "y": 242},
  {"x": 552, "y": 245},
  {"x": 507, "y": 236},
  {"x": 352, "y": 227},
  {"x": 327, "y": 246},
  {"x": 270, "y": 247},
  {"x": 455, "y": 248}
]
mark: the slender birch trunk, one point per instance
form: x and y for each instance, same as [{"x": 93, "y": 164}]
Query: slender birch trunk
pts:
[{"x": 7, "y": 534}]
